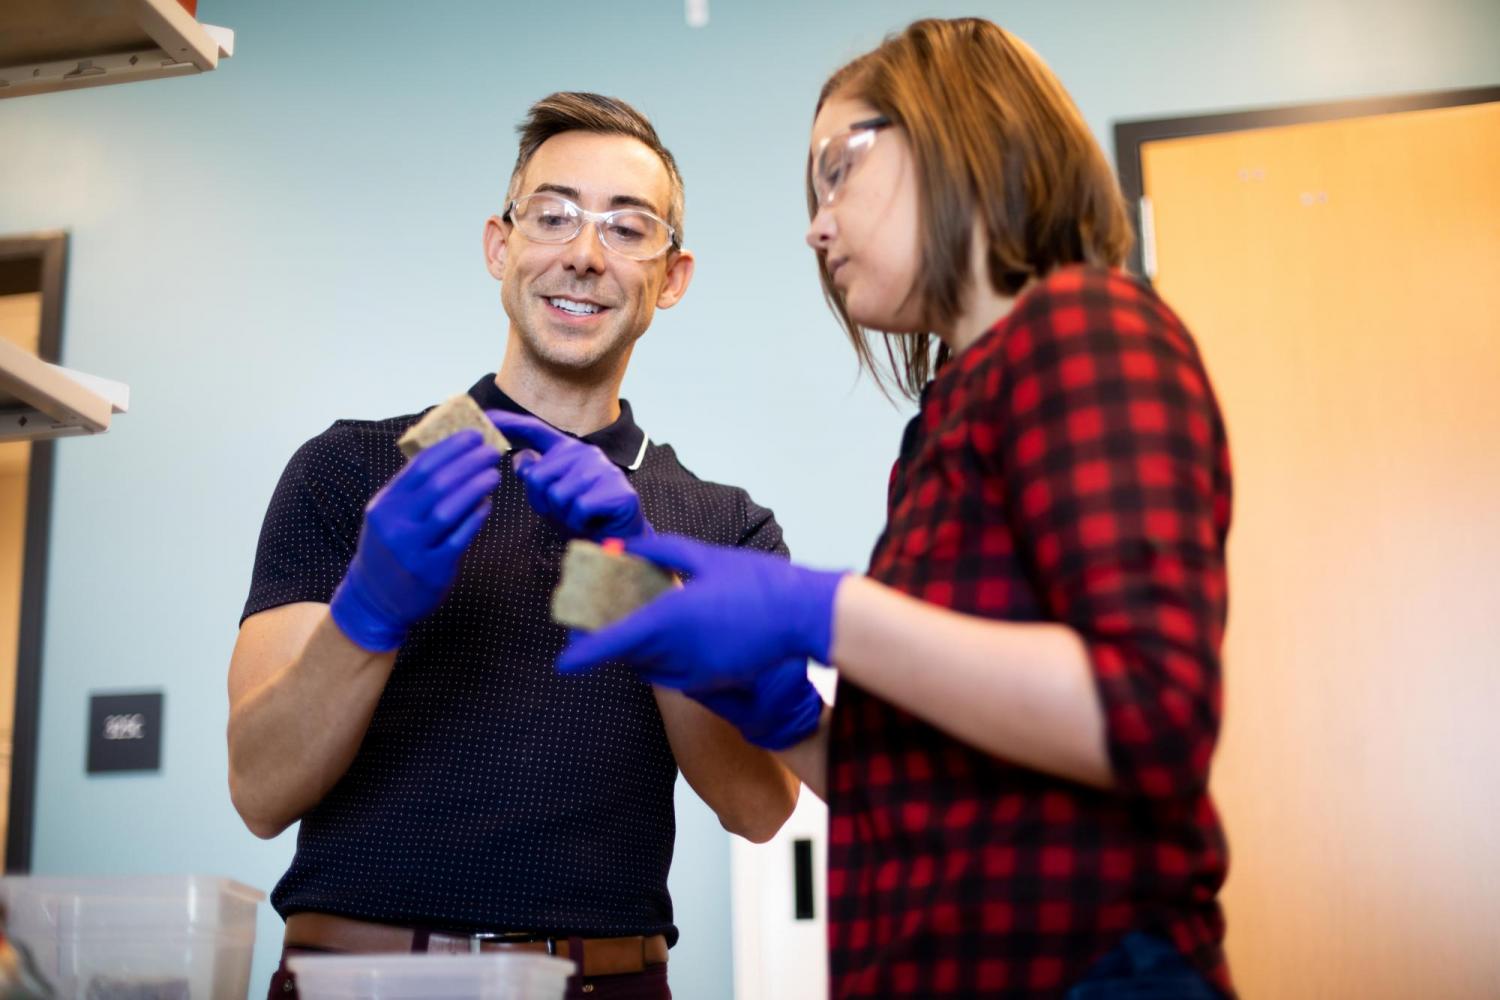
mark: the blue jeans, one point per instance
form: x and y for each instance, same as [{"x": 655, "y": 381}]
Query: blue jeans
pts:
[{"x": 1143, "y": 967}]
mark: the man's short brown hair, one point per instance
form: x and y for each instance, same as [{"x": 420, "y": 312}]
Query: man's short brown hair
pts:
[
  {"x": 576, "y": 111},
  {"x": 995, "y": 137}
]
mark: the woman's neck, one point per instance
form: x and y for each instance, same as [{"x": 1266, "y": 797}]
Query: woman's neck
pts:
[{"x": 983, "y": 307}]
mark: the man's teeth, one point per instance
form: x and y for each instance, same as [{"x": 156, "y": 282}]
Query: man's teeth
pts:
[{"x": 576, "y": 308}]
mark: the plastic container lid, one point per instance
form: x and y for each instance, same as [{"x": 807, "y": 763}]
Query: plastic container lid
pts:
[
  {"x": 505, "y": 976},
  {"x": 131, "y": 905},
  {"x": 136, "y": 935}
]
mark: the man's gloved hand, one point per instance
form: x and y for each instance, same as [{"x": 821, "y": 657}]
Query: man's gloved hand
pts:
[
  {"x": 415, "y": 531},
  {"x": 780, "y": 708},
  {"x": 572, "y": 483},
  {"x": 742, "y": 612}
]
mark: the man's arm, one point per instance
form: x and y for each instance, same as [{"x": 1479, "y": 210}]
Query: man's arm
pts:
[
  {"x": 808, "y": 760},
  {"x": 752, "y": 791},
  {"x": 300, "y": 699},
  {"x": 305, "y": 677},
  {"x": 574, "y": 485},
  {"x": 746, "y": 787}
]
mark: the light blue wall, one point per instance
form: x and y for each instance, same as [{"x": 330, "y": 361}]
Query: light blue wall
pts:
[{"x": 296, "y": 237}]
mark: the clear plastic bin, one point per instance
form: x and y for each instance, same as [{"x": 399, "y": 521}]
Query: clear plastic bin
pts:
[
  {"x": 143, "y": 937},
  {"x": 501, "y": 976}
]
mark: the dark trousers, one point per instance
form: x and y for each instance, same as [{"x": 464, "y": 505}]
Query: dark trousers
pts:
[
  {"x": 1144, "y": 967},
  {"x": 650, "y": 984}
]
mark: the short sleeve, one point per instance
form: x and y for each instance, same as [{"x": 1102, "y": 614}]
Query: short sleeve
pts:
[
  {"x": 1114, "y": 455},
  {"x": 311, "y": 526},
  {"x": 761, "y": 530}
]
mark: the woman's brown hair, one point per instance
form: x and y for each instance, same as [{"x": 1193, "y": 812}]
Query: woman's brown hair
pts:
[{"x": 995, "y": 137}]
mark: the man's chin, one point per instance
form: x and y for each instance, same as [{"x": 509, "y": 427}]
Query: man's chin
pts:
[
  {"x": 576, "y": 361},
  {"x": 574, "y": 354}
]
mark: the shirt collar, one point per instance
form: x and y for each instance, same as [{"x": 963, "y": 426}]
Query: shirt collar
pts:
[{"x": 622, "y": 441}]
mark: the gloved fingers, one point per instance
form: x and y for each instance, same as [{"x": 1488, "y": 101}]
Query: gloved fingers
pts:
[
  {"x": 563, "y": 462},
  {"x": 538, "y": 500},
  {"x": 458, "y": 540},
  {"x": 523, "y": 457},
  {"x": 566, "y": 493},
  {"x": 430, "y": 460},
  {"x": 403, "y": 506},
  {"x": 732, "y": 705},
  {"x": 529, "y": 431},
  {"x": 630, "y": 639},
  {"x": 442, "y": 483},
  {"x": 457, "y": 503},
  {"x": 674, "y": 552},
  {"x": 537, "y": 474},
  {"x": 600, "y": 508}
]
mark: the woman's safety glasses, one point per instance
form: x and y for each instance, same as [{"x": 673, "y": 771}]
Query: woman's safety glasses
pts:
[{"x": 839, "y": 154}]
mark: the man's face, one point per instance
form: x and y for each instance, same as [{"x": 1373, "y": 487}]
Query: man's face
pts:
[{"x": 548, "y": 289}]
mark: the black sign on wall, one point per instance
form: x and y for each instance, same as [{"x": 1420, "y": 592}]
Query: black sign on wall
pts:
[{"x": 125, "y": 732}]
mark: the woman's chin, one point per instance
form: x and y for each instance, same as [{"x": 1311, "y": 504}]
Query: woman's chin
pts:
[{"x": 882, "y": 321}]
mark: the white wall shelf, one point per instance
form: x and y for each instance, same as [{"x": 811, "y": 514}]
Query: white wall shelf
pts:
[
  {"x": 40, "y": 400},
  {"x": 50, "y": 45}
]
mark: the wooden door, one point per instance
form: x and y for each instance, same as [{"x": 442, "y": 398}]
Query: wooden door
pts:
[
  {"x": 20, "y": 324},
  {"x": 1343, "y": 281}
]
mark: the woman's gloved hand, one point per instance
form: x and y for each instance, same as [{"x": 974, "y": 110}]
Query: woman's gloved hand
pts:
[
  {"x": 741, "y": 612},
  {"x": 415, "y": 531},
  {"x": 572, "y": 483},
  {"x": 780, "y": 707}
]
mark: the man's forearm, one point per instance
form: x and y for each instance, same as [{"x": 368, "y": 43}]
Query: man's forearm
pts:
[
  {"x": 808, "y": 760},
  {"x": 298, "y": 713},
  {"x": 746, "y": 787}
]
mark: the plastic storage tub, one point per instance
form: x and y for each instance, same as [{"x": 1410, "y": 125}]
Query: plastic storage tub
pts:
[
  {"x": 162, "y": 937},
  {"x": 500, "y": 976}
]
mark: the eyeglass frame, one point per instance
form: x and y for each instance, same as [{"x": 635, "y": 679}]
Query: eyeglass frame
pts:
[
  {"x": 868, "y": 125},
  {"x": 585, "y": 217}
]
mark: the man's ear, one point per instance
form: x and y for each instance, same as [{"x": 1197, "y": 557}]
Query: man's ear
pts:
[
  {"x": 679, "y": 272},
  {"x": 496, "y": 235}
]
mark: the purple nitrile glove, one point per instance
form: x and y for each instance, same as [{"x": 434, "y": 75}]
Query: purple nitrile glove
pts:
[
  {"x": 741, "y": 612},
  {"x": 780, "y": 707},
  {"x": 570, "y": 482},
  {"x": 415, "y": 531}
]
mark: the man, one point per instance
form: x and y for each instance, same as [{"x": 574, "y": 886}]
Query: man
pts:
[{"x": 393, "y": 685}]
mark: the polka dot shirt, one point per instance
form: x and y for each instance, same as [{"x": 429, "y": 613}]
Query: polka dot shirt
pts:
[{"x": 490, "y": 793}]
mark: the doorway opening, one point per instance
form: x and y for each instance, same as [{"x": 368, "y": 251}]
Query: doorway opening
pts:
[{"x": 32, "y": 274}]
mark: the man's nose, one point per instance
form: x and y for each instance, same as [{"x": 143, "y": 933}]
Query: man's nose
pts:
[{"x": 584, "y": 252}]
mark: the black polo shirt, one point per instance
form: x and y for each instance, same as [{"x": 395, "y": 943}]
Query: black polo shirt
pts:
[{"x": 490, "y": 792}]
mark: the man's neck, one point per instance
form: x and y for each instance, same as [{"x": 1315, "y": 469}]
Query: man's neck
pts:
[{"x": 578, "y": 406}]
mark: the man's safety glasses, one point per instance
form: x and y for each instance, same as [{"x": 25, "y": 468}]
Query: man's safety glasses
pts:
[{"x": 629, "y": 232}]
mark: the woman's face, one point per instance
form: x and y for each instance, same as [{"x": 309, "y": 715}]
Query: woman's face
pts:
[{"x": 868, "y": 236}]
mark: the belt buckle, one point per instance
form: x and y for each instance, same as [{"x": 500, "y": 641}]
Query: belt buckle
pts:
[{"x": 476, "y": 941}]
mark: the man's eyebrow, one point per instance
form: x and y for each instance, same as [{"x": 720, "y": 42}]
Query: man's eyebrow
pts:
[{"x": 617, "y": 201}]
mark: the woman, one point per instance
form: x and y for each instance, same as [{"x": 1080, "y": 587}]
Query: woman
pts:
[{"x": 1016, "y": 767}]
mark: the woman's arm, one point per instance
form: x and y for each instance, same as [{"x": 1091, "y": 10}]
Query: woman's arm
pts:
[
  {"x": 1022, "y": 692},
  {"x": 1106, "y": 443}
]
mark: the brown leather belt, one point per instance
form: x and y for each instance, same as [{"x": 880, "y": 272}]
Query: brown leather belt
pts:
[{"x": 601, "y": 956}]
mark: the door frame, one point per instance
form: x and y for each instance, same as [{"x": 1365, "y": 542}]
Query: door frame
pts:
[
  {"x": 1131, "y": 136},
  {"x": 34, "y": 262}
]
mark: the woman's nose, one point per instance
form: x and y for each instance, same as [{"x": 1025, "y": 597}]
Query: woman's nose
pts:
[{"x": 821, "y": 231}]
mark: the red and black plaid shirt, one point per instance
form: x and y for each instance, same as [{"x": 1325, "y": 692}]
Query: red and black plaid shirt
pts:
[{"x": 1070, "y": 466}]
